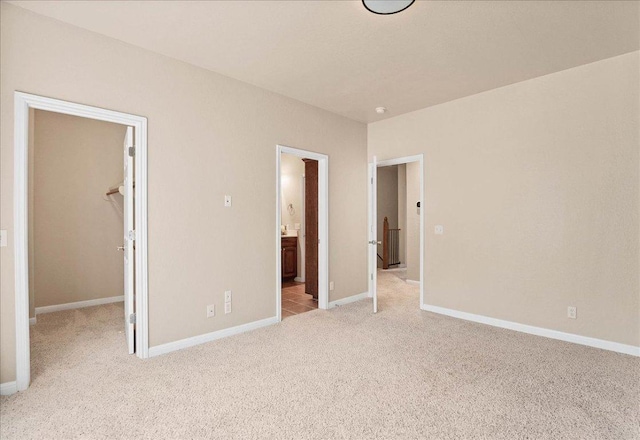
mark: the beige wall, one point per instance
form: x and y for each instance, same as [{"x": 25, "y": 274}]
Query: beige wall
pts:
[
  {"x": 413, "y": 221},
  {"x": 208, "y": 136},
  {"x": 292, "y": 171},
  {"x": 76, "y": 230},
  {"x": 536, "y": 185},
  {"x": 402, "y": 211},
  {"x": 387, "y": 201}
]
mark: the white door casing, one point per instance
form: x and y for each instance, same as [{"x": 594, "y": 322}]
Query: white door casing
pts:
[
  {"x": 419, "y": 158},
  {"x": 373, "y": 233},
  {"x": 129, "y": 240},
  {"x": 323, "y": 224},
  {"x": 22, "y": 103}
]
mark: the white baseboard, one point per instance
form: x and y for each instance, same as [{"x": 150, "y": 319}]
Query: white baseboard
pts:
[
  {"x": 298, "y": 280},
  {"x": 208, "y": 337},
  {"x": 32, "y": 321},
  {"x": 8, "y": 388},
  {"x": 417, "y": 283},
  {"x": 538, "y": 331},
  {"x": 79, "y": 304},
  {"x": 348, "y": 300}
]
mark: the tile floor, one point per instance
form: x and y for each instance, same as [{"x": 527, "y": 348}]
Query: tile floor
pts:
[{"x": 294, "y": 300}]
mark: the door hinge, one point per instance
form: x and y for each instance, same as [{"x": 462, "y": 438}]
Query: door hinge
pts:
[
  {"x": 132, "y": 151},
  {"x": 371, "y": 277},
  {"x": 132, "y": 318},
  {"x": 132, "y": 235},
  {"x": 372, "y": 180}
]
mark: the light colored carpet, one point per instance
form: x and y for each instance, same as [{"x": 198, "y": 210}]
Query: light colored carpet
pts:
[{"x": 344, "y": 373}]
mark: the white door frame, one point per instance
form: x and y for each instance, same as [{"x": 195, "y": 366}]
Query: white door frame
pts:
[
  {"x": 373, "y": 231},
  {"x": 399, "y": 161},
  {"x": 22, "y": 103},
  {"x": 323, "y": 224}
]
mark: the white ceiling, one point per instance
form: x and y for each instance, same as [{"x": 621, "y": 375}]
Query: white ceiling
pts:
[{"x": 338, "y": 56}]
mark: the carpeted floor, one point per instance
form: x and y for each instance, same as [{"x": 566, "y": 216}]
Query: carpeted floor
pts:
[{"x": 343, "y": 373}]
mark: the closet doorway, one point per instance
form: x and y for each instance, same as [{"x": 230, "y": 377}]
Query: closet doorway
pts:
[
  {"x": 302, "y": 231},
  {"x": 71, "y": 225}
]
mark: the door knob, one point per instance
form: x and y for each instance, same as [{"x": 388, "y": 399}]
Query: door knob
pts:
[{"x": 375, "y": 242}]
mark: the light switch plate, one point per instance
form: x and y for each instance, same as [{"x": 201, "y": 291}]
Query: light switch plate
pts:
[
  {"x": 227, "y": 296},
  {"x": 3, "y": 238},
  {"x": 211, "y": 311},
  {"x": 227, "y": 201},
  {"x": 227, "y": 308},
  {"x": 331, "y": 285}
]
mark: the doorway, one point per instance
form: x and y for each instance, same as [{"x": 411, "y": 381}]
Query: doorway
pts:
[
  {"x": 302, "y": 231},
  {"x": 396, "y": 228},
  {"x": 133, "y": 229}
]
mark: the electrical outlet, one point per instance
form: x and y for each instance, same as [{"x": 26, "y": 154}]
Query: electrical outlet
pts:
[
  {"x": 227, "y": 201},
  {"x": 227, "y": 308},
  {"x": 227, "y": 296},
  {"x": 572, "y": 312},
  {"x": 211, "y": 311},
  {"x": 331, "y": 285}
]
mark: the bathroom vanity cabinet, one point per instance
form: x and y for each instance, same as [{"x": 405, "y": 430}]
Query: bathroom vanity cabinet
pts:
[{"x": 289, "y": 257}]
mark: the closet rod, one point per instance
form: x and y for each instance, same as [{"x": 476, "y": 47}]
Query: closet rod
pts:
[{"x": 116, "y": 190}]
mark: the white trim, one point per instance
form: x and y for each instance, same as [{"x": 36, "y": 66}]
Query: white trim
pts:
[
  {"x": 348, "y": 300},
  {"x": 298, "y": 280},
  {"x": 373, "y": 231},
  {"x": 417, "y": 283},
  {"x": 208, "y": 337},
  {"x": 33, "y": 321},
  {"x": 22, "y": 103},
  {"x": 400, "y": 160},
  {"x": 371, "y": 260},
  {"x": 538, "y": 331},
  {"x": 78, "y": 304},
  {"x": 323, "y": 224},
  {"x": 8, "y": 388},
  {"x": 404, "y": 160}
]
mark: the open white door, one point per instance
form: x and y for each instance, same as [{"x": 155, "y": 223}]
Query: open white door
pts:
[
  {"x": 129, "y": 237},
  {"x": 373, "y": 233}
]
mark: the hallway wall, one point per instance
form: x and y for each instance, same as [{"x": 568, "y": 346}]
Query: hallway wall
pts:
[
  {"x": 413, "y": 221},
  {"x": 387, "y": 202}
]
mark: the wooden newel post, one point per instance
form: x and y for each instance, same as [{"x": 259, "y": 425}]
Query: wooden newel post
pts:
[{"x": 385, "y": 244}]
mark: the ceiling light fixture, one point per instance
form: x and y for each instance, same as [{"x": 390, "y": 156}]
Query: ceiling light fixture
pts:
[
  {"x": 387, "y": 7},
  {"x": 381, "y": 110}
]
